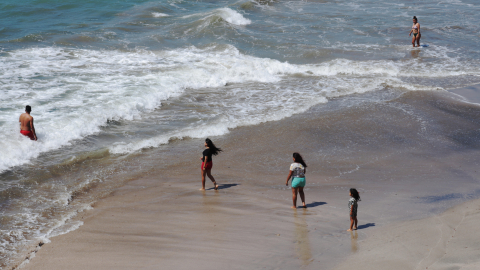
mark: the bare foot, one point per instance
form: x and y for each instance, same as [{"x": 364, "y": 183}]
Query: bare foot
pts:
[
  {"x": 216, "y": 186},
  {"x": 202, "y": 189},
  {"x": 304, "y": 206},
  {"x": 355, "y": 228},
  {"x": 349, "y": 230},
  {"x": 293, "y": 207}
]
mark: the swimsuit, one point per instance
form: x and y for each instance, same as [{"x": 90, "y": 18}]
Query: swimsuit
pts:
[
  {"x": 414, "y": 27},
  {"x": 27, "y": 133},
  {"x": 352, "y": 204}
]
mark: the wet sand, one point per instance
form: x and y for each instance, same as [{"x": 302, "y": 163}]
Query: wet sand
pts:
[
  {"x": 412, "y": 156},
  {"x": 446, "y": 241},
  {"x": 470, "y": 94}
]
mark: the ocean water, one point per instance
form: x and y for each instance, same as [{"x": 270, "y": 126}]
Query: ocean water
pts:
[{"x": 110, "y": 79}]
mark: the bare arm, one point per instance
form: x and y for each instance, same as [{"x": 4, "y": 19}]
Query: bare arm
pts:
[
  {"x": 32, "y": 128},
  {"x": 418, "y": 25},
  {"x": 289, "y": 176}
]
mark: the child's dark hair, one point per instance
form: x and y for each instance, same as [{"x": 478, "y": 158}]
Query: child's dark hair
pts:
[
  {"x": 212, "y": 147},
  {"x": 298, "y": 158},
  {"x": 355, "y": 194}
]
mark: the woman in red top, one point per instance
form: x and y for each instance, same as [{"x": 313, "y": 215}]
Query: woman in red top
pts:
[{"x": 207, "y": 162}]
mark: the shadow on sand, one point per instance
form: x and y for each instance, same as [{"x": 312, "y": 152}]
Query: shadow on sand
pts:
[
  {"x": 364, "y": 226},
  {"x": 314, "y": 204},
  {"x": 224, "y": 186}
]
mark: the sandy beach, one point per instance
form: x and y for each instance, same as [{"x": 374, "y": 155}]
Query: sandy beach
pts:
[
  {"x": 125, "y": 93},
  {"x": 445, "y": 241},
  {"x": 410, "y": 165}
]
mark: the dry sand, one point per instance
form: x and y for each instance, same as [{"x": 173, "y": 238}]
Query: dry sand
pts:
[{"x": 392, "y": 151}]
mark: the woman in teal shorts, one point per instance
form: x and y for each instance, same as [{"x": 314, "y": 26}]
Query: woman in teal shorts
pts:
[{"x": 297, "y": 173}]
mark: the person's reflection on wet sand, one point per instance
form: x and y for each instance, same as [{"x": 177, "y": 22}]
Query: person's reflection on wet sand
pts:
[
  {"x": 415, "y": 53},
  {"x": 354, "y": 236},
  {"x": 302, "y": 243}
]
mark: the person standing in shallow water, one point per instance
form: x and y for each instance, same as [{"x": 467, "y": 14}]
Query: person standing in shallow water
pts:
[
  {"x": 26, "y": 124},
  {"x": 416, "y": 32},
  {"x": 353, "y": 206},
  {"x": 297, "y": 172},
  {"x": 207, "y": 162}
]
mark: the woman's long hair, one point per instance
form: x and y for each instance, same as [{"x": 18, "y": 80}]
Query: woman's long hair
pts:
[
  {"x": 298, "y": 158},
  {"x": 215, "y": 150},
  {"x": 415, "y": 18},
  {"x": 355, "y": 194}
]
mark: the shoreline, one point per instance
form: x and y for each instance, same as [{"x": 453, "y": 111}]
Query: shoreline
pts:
[
  {"x": 162, "y": 218},
  {"x": 470, "y": 93}
]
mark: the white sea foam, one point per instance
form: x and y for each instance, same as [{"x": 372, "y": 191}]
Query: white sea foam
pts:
[
  {"x": 74, "y": 92},
  {"x": 32, "y": 226},
  {"x": 227, "y": 122},
  {"x": 158, "y": 14},
  {"x": 233, "y": 17},
  {"x": 227, "y": 14}
]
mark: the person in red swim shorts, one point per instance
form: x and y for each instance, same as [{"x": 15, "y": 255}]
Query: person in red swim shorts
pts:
[
  {"x": 207, "y": 163},
  {"x": 26, "y": 124}
]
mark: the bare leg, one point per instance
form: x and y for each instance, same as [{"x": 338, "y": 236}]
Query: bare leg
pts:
[
  {"x": 294, "y": 197},
  {"x": 356, "y": 222},
  {"x": 418, "y": 39},
  {"x": 413, "y": 41},
  {"x": 203, "y": 180},
  {"x": 351, "y": 224},
  {"x": 302, "y": 196},
  {"x": 209, "y": 174}
]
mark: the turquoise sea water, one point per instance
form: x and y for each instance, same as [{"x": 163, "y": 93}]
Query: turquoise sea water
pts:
[{"x": 116, "y": 77}]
